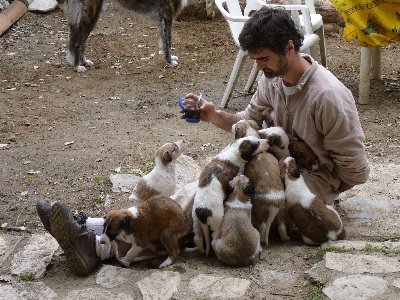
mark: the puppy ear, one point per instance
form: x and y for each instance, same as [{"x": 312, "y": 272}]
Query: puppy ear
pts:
[
  {"x": 167, "y": 157},
  {"x": 294, "y": 171},
  {"x": 249, "y": 189},
  {"x": 237, "y": 133},
  {"x": 247, "y": 149},
  {"x": 291, "y": 169},
  {"x": 275, "y": 140},
  {"x": 126, "y": 222},
  {"x": 229, "y": 189}
]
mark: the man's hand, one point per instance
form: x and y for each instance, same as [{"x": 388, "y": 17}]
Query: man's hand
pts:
[{"x": 219, "y": 118}]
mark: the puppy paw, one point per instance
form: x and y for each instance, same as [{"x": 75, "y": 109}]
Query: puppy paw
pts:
[
  {"x": 166, "y": 263},
  {"x": 123, "y": 262},
  {"x": 285, "y": 238},
  {"x": 188, "y": 250}
]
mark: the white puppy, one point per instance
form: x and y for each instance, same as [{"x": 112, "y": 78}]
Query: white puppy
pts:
[{"x": 162, "y": 179}]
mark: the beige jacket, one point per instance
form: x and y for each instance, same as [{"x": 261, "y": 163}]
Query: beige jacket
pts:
[{"x": 322, "y": 112}]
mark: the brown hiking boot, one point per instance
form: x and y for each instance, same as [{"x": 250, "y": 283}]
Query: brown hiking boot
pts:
[
  {"x": 78, "y": 243},
  {"x": 44, "y": 211}
]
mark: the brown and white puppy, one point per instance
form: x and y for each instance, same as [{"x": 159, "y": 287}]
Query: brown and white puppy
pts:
[
  {"x": 245, "y": 128},
  {"x": 278, "y": 141},
  {"x": 316, "y": 221},
  {"x": 208, "y": 206},
  {"x": 239, "y": 243},
  {"x": 269, "y": 195},
  {"x": 302, "y": 153},
  {"x": 162, "y": 179},
  {"x": 263, "y": 172},
  {"x": 284, "y": 145},
  {"x": 82, "y": 17},
  {"x": 157, "y": 218}
]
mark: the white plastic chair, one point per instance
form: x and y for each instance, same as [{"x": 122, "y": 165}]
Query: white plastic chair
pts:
[
  {"x": 236, "y": 19},
  {"x": 317, "y": 25}
]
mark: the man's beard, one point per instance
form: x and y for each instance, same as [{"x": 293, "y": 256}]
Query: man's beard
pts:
[{"x": 283, "y": 67}]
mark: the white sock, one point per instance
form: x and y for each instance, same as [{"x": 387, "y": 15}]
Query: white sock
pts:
[
  {"x": 95, "y": 224},
  {"x": 104, "y": 251}
]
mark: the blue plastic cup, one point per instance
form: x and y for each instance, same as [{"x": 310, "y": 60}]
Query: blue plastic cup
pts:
[{"x": 191, "y": 109}]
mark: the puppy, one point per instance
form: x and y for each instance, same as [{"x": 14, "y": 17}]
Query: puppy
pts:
[
  {"x": 284, "y": 145},
  {"x": 302, "y": 153},
  {"x": 245, "y": 128},
  {"x": 162, "y": 179},
  {"x": 158, "y": 218},
  {"x": 317, "y": 222},
  {"x": 82, "y": 17},
  {"x": 269, "y": 195},
  {"x": 278, "y": 141},
  {"x": 208, "y": 207},
  {"x": 239, "y": 243}
]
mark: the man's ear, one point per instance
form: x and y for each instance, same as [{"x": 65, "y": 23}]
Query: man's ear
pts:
[{"x": 289, "y": 47}]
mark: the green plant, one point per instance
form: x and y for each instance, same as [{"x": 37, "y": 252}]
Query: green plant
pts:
[
  {"x": 315, "y": 293},
  {"x": 368, "y": 139},
  {"x": 136, "y": 173},
  {"x": 30, "y": 176},
  {"x": 103, "y": 180},
  {"x": 23, "y": 200},
  {"x": 42, "y": 41},
  {"x": 27, "y": 276},
  {"x": 149, "y": 165},
  {"x": 70, "y": 182},
  {"x": 97, "y": 198},
  {"x": 388, "y": 250},
  {"x": 320, "y": 254}
]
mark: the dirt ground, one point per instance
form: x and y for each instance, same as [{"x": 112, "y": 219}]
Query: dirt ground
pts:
[{"x": 66, "y": 132}]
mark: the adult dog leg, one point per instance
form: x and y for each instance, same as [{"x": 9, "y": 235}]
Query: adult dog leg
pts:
[
  {"x": 210, "y": 5},
  {"x": 166, "y": 40},
  {"x": 82, "y": 17}
]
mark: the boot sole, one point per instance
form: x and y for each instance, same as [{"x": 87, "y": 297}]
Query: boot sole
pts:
[{"x": 60, "y": 229}]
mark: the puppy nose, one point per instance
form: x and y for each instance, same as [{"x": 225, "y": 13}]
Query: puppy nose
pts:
[{"x": 102, "y": 242}]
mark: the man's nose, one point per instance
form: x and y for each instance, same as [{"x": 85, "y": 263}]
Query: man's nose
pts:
[{"x": 260, "y": 64}]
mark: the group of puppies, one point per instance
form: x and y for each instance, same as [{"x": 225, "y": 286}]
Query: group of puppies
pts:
[{"x": 254, "y": 181}]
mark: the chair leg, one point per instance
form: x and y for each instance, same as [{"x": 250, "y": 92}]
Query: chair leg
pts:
[
  {"x": 376, "y": 63},
  {"x": 322, "y": 46},
  {"x": 314, "y": 53},
  {"x": 252, "y": 78},
  {"x": 237, "y": 68},
  {"x": 365, "y": 72}
]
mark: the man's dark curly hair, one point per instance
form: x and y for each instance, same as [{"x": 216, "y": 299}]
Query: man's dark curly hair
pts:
[{"x": 270, "y": 28}]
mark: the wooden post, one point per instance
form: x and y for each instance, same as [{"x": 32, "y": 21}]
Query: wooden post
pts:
[{"x": 11, "y": 15}]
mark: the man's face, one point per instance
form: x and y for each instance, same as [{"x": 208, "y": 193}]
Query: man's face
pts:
[{"x": 272, "y": 64}]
